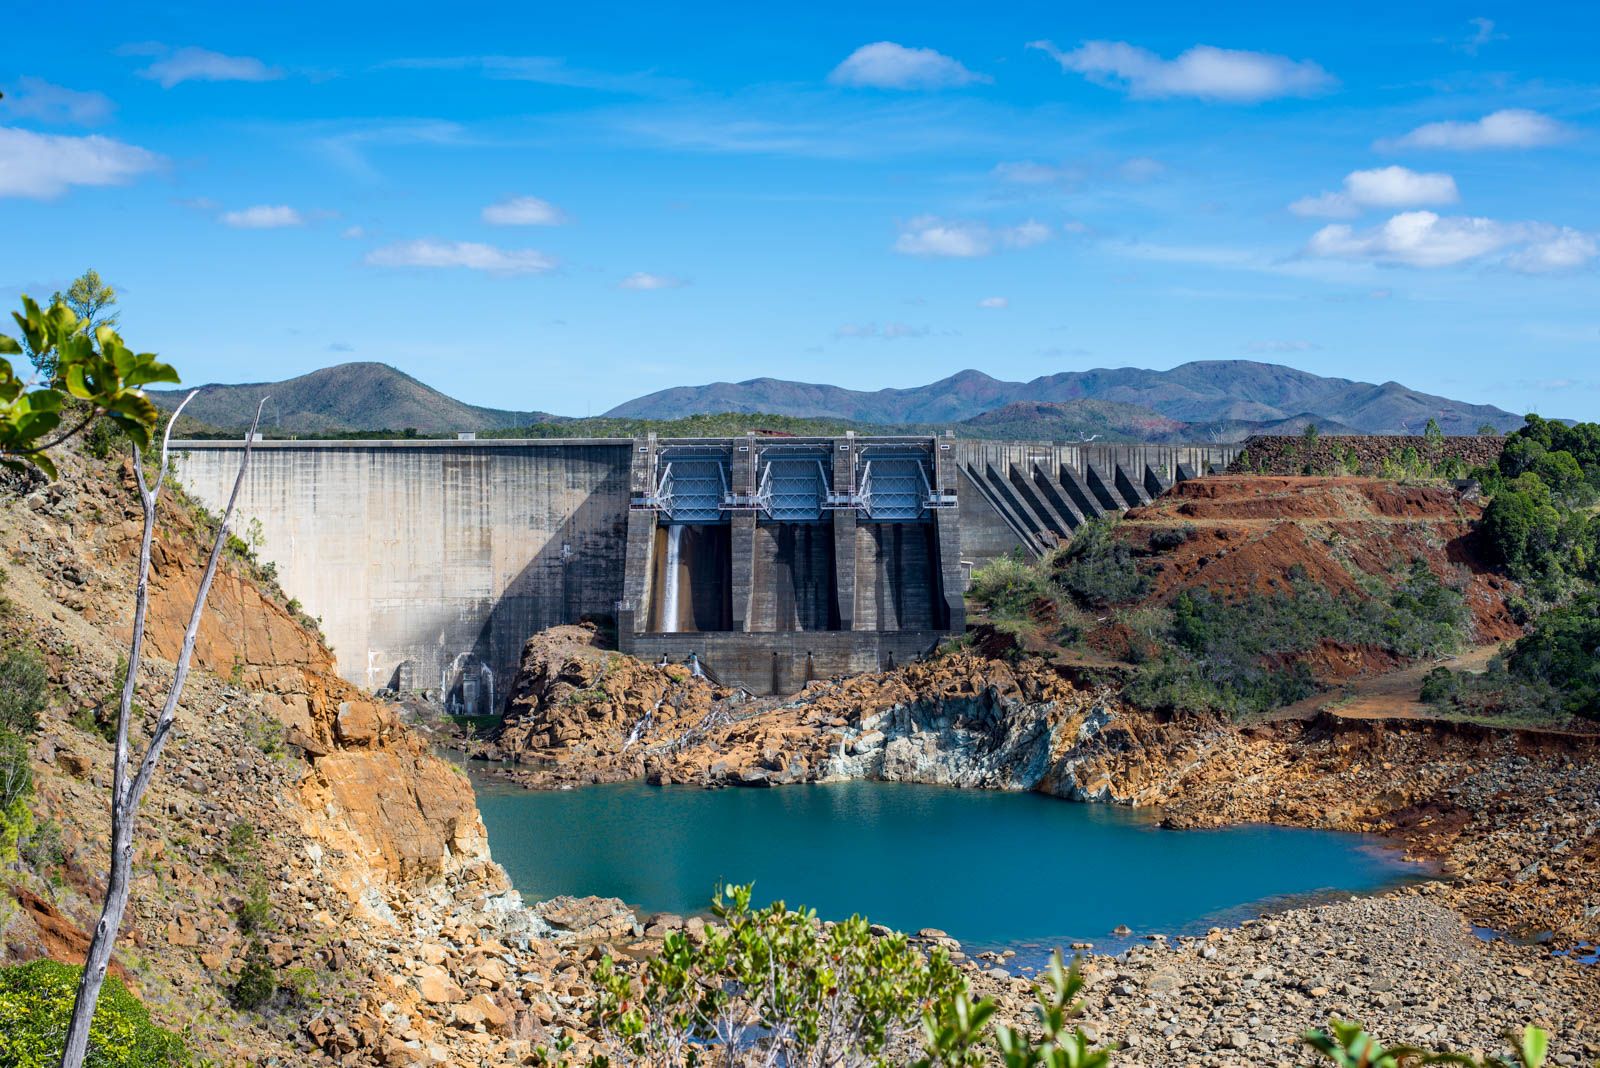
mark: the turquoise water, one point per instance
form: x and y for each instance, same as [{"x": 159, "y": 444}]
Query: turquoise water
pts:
[{"x": 993, "y": 869}]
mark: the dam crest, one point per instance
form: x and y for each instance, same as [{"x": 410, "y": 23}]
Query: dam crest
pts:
[{"x": 769, "y": 560}]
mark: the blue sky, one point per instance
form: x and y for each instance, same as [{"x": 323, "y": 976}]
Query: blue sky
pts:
[{"x": 561, "y": 207}]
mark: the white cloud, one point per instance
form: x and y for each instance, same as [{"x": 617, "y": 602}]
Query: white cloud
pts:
[
  {"x": 1282, "y": 346},
  {"x": 886, "y": 65},
  {"x": 1326, "y": 206},
  {"x": 468, "y": 254},
  {"x": 1141, "y": 169},
  {"x": 994, "y": 302},
  {"x": 44, "y": 165},
  {"x": 646, "y": 280},
  {"x": 37, "y": 99},
  {"x": 1425, "y": 239},
  {"x": 887, "y": 332},
  {"x": 1483, "y": 32},
  {"x": 928, "y": 235},
  {"x": 524, "y": 211},
  {"x": 263, "y": 217},
  {"x": 202, "y": 65},
  {"x": 1382, "y": 187},
  {"x": 1507, "y": 128},
  {"x": 1222, "y": 74},
  {"x": 352, "y": 233},
  {"x": 1564, "y": 250},
  {"x": 1027, "y": 172}
]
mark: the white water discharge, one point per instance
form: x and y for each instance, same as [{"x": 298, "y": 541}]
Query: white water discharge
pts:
[
  {"x": 642, "y": 724},
  {"x": 669, "y": 595}
]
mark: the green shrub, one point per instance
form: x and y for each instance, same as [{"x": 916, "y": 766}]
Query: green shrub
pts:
[
  {"x": 1349, "y": 1046},
  {"x": 778, "y": 978},
  {"x": 36, "y": 1004},
  {"x": 255, "y": 911},
  {"x": 1098, "y": 568},
  {"x": 1563, "y": 650},
  {"x": 1171, "y": 537},
  {"x": 1010, "y": 586},
  {"x": 23, "y": 685},
  {"x": 43, "y": 850},
  {"x": 240, "y": 851},
  {"x": 16, "y": 789},
  {"x": 257, "y": 982}
]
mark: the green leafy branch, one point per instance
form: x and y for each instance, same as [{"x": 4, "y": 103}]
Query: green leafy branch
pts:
[{"x": 100, "y": 373}]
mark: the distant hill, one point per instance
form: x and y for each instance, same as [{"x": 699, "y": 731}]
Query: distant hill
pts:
[
  {"x": 1206, "y": 392},
  {"x": 348, "y": 397},
  {"x": 1072, "y": 421},
  {"x": 1211, "y": 401}
]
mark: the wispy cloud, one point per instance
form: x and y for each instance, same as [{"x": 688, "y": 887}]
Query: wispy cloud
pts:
[
  {"x": 203, "y": 65},
  {"x": 645, "y": 280},
  {"x": 469, "y": 255},
  {"x": 1481, "y": 32},
  {"x": 872, "y": 331},
  {"x": 45, "y": 165},
  {"x": 39, "y": 100},
  {"x": 1427, "y": 240},
  {"x": 1204, "y": 72},
  {"x": 548, "y": 70},
  {"x": 263, "y": 217},
  {"x": 1507, "y": 128},
  {"x": 1383, "y": 187},
  {"x": 929, "y": 235},
  {"x": 994, "y": 303},
  {"x": 348, "y": 147},
  {"x": 886, "y": 65},
  {"x": 524, "y": 211}
]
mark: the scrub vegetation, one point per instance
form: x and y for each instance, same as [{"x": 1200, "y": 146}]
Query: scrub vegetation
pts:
[
  {"x": 1542, "y": 525},
  {"x": 773, "y": 986},
  {"x": 1204, "y": 651}
]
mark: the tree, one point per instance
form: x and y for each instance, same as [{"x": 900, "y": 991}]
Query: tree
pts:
[
  {"x": 88, "y": 298},
  {"x": 99, "y": 371},
  {"x": 128, "y": 786}
]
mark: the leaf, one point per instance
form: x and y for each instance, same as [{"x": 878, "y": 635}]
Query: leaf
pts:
[
  {"x": 149, "y": 370},
  {"x": 9, "y": 346},
  {"x": 1535, "y": 1046}
]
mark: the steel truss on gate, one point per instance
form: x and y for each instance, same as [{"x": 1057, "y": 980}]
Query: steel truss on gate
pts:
[{"x": 793, "y": 482}]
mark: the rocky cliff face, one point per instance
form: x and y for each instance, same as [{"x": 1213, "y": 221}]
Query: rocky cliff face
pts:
[{"x": 396, "y": 937}]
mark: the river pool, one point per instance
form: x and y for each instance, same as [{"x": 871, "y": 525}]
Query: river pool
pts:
[{"x": 993, "y": 869}]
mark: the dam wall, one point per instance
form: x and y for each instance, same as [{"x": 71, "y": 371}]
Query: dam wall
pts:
[
  {"x": 770, "y": 561},
  {"x": 429, "y": 563}
]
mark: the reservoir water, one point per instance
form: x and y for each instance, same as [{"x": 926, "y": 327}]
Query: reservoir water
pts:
[{"x": 994, "y": 870}]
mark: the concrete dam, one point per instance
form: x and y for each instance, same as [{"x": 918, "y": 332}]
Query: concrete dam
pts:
[{"x": 765, "y": 561}]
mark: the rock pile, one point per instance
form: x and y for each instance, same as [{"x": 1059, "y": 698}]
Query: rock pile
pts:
[{"x": 1364, "y": 454}]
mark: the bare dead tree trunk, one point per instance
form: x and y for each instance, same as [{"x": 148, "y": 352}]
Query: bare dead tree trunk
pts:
[{"x": 127, "y": 791}]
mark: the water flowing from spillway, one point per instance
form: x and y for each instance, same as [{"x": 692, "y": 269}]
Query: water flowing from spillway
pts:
[{"x": 669, "y": 594}]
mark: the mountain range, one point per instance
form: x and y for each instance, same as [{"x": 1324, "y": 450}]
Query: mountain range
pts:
[
  {"x": 1210, "y": 391},
  {"x": 1221, "y": 400}
]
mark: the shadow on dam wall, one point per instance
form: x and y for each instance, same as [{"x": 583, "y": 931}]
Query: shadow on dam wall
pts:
[{"x": 561, "y": 584}]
